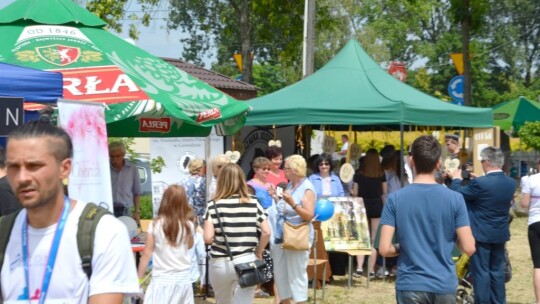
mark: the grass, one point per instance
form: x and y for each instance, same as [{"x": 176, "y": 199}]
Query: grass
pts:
[{"x": 518, "y": 290}]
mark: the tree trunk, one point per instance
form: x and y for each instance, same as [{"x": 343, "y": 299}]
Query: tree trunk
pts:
[
  {"x": 465, "y": 36},
  {"x": 245, "y": 37}
]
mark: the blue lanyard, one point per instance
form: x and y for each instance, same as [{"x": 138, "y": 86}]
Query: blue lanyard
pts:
[{"x": 47, "y": 273}]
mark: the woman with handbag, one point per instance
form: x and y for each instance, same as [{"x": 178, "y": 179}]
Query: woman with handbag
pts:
[
  {"x": 232, "y": 233},
  {"x": 168, "y": 240},
  {"x": 291, "y": 251}
]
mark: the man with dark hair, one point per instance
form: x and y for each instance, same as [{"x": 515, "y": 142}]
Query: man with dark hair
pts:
[
  {"x": 8, "y": 201},
  {"x": 43, "y": 240},
  {"x": 428, "y": 220},
  {"x": 488, "y": 200},
  {"x": 345, "y": 146}
]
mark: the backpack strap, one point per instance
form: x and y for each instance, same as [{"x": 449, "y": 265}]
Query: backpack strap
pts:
[
  {"x": 86, "y": 232},
  {"x": 6, "y": 225}
]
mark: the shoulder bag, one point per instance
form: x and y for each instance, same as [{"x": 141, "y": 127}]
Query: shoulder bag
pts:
[
  {"x": 295, "y": 237},
  {"x": 249, "y": 273}
]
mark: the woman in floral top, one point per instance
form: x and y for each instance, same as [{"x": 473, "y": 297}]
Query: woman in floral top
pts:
[{"x": 195, "y": 186}]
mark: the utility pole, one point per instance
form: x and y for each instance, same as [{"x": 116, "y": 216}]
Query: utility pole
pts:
[
  {"x": 465, "y": 36},
  {"x": 309, "y": 39}
]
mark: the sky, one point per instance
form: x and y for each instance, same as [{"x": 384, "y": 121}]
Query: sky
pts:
[{"x": 154, "y": 39}]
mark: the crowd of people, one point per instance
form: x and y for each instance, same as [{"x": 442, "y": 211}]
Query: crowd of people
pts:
[{"x": 242, "y": 219}]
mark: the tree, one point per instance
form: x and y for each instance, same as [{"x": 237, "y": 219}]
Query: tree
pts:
[
  {"x": 113, "y": 12},
  {"x": 515, "y": 42},
  {"x": 530, "y": 135}
]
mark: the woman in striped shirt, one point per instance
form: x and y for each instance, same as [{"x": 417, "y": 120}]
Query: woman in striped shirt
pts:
[{"x": 243, "y": 220}]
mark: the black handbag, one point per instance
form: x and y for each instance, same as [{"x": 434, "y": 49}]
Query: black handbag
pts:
[{"x": 249, "y": 273}]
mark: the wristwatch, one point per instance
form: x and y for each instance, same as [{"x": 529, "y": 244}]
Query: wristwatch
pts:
[{"x": 295, "y": 206}]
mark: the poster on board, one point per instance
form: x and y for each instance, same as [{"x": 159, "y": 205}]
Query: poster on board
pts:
[
  {"x": 348, "y": 227},
  {"x": 177, "y": 152},
  {"x": 90, "y": 177},
  {"x": 482, "y": 138}
]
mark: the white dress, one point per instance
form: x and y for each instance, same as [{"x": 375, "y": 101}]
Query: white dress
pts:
[{"x": 171, "y": 272}]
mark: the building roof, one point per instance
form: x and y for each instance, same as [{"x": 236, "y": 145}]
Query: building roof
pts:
[{"x": 214, "y": 79}]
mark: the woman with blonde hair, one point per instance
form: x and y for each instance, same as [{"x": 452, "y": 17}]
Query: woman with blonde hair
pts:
[
  {"x": 195, "y": 185},
  {"x": 168, "y": 240},
  {"x": 369, "y": 183},
  {"x": 296, "y": 207},
  {"x": 243, "y": 220},
  {"x": 217, "y": 164}
]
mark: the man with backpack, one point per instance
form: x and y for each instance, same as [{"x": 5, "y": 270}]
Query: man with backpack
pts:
[{"x": 44, "y": 257}]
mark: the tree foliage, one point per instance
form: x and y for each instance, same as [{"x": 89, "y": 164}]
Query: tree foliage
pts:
[
  {"x": 114, "y": 12},
  {"x": 530, "y": 135},
  {"x": 504, "y": 41}
]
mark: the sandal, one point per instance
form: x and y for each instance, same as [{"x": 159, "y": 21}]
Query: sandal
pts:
[{"x": 261, "y": 294}]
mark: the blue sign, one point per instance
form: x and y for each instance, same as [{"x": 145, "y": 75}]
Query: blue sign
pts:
[
  {"x": 458, "y": 102},
  {"x": 455, "y": 88}
]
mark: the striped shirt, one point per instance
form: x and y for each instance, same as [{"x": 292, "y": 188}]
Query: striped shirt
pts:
[{"x": 241, "y": 222}]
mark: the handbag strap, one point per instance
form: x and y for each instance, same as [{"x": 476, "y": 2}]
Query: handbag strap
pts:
[{"x": 223, "y": 231}]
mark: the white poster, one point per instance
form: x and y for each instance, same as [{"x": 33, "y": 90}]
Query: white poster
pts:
[
  {"x": 177, "y": 152},
  {"x": 90, "y": 178}
]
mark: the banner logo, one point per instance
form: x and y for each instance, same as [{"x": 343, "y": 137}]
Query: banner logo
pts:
[
  {"x": 107, "y": 84},
  {"x": 58, "y": 54},
  {"x": 162, "y": 125},
  {"x": 208, "y": 115}
]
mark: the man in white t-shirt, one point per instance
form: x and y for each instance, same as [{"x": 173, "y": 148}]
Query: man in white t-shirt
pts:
[
  {"x": 42, "y": 262},
  {"x": 345, "y": 147}
]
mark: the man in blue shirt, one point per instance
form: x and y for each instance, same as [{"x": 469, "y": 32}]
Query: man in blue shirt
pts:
[{"x": 428, "y": 220}]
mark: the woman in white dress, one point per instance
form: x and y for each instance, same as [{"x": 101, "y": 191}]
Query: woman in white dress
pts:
[
  {"x": 530, "y": 198},
  {"x": 168, "y": 240}
]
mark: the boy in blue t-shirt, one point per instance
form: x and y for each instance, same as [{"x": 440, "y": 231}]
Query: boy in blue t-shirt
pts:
[{"x": 428, "y": 220}]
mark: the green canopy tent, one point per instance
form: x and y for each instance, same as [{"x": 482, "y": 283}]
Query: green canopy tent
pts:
[
  {"x": 145, "y": 96},
  {"x": 514, "y": 113},
  {"x": 511, "y": 116},
  {"x": 352, "y": 89}
]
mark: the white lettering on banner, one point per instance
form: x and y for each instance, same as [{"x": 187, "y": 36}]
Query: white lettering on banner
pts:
[
  {"x": 14, "y": 117},
  {"x": 35, "y": 31},
  {"x": 208, "y": 115},
  {"x": 71, "y": 85},
  {"x": 155, "y": 124},
  {"x": 92, "y": 86},
  {"x": 124, "y": 81}
]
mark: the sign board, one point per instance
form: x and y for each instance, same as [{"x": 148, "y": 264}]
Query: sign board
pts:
[
  {"x": 11, "y": 114},
  {"x": 177, "y": 153},
  {"x": 90, "y": 177},
  {"x": 398, "y": 70},
  {"x": 456, "y": 88},
  {"x": 482, "y": 138},
  {"x": 252, "y": 142},
  {"x": 347, "y": 229}
]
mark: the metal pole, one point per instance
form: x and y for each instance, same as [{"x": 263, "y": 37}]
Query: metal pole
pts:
[
  {"x": 402, "y": 149},
  {"x": 309, "y": 38}
]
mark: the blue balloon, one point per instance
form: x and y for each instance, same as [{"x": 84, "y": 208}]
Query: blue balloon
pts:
[
  {"x": 324, "y": 210},
  {"x": 264, "y": 198}
]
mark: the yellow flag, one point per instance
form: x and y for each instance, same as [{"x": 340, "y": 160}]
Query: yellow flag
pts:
[{"x": 457, "y": 58}]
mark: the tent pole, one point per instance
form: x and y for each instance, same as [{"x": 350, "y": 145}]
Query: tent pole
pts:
[
  {"x": 207, "y": 152},
  {"x": 348, "y": 156},
  {"x": 402, "y": 149}
]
